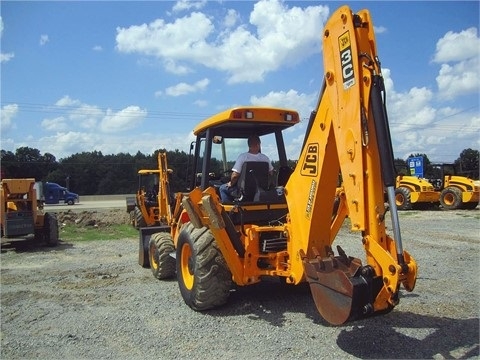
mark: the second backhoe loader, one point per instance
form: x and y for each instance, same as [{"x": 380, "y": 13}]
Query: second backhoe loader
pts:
[{"x": 286, "y": 227}]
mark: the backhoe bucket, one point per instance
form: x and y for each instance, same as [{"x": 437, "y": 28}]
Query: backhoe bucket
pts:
[{"x": 343, "y": 289}]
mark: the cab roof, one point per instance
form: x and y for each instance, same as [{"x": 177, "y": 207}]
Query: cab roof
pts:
[{"x": 241, "y": 122}]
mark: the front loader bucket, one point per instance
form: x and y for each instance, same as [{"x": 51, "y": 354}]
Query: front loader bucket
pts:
[{"x": 343, "y": 289}]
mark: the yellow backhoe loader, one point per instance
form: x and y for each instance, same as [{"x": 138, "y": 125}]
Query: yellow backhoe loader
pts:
[
  {"x": 150, "y": 204},
  {"x": 156, "y": 215},
  {"x": 282, "y": 226}
]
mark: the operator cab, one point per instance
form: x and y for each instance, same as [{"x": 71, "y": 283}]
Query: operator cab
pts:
[{"x": 222, "y": 137}]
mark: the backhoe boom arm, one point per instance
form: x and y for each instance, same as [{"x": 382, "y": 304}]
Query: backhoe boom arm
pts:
[{"x": 348, "y": 134}]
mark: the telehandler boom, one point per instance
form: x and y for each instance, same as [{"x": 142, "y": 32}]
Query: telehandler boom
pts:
[{"x": 285, "y": 227}]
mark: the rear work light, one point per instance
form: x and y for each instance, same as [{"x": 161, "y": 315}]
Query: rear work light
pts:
[
  {"x": 288, "y": 117},
  {"x": 248, "y": 114}
]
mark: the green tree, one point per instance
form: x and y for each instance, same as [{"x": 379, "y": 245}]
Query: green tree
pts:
[
  {"x": 9, "y": 164},
  {"x": 468, "y": 163},
  {"x": 27, "y": 163},
  {"x": 401, "y": 167}
]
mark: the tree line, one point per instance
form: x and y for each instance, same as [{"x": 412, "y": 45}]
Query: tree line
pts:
[{"x": 93, "y": 173}]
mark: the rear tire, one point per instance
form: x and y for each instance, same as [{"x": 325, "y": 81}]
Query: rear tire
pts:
[
  {"x": 160, "y": 249},
  {"x": 403, "y": 198},
  {"x": 451, "y": 198},
  {"x": 203, "y": 276},
  {"x": 50, "y": 231},
  {"x": 139, "y": 220}
]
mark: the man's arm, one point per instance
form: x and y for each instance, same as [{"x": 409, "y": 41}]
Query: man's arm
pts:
[{"x": 233, "y": 178}]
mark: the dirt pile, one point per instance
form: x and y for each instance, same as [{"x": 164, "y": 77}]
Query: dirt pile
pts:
[{"x": 93, "y": 217}]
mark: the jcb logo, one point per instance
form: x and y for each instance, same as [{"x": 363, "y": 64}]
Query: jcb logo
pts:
[
  {"x": 345, "y": 47},
  {"x": 310, "y": 161}
]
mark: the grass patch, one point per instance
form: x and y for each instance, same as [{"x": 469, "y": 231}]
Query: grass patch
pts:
[{"x": 92, "y": 233}]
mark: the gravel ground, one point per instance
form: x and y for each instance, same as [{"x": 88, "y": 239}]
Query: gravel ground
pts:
[{"x": 91, "y": 300}]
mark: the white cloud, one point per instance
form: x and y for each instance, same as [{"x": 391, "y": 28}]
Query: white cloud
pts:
[
  {"x": 43, "y": 39},
  {"x": 459, "y": 79},
  {"x": 55, "y": 124},
  {"x": 86, "y": 116},
  {"x": 200, "y": 103},
  {"x": 78, "y": 115},
  {"x": 231, "y": 18},
  {"x": 457, "y": 46},
  {"x": 65, "y": 143},
  {"x": 280, "y": 36},
  {"x": 419, "y": 125},
  {"x": 4, "y": 57},
  {"x": 174, "y": 67},
  {"x": 8, "y": 113},
  {"x": 379, "y": 29},
  {"x": 184, "y": 88},
  {"x": 67, "y": 101},
  {"x": 183, "y": 5},
  {"x": 177, "y": 41},
  {"x": 97, "y": 48},
  {"x": 125, "y": 119},
  {"x": 303, "y": 103},
  {"x": 458, "y": 54}
]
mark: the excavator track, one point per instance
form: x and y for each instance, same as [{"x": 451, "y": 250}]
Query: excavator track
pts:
[{"x": 343, "y": 289}]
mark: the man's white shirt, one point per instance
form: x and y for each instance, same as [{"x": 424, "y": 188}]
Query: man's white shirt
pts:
[{"x": 251, "y": 157}]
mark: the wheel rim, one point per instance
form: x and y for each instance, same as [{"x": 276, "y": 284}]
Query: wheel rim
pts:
[
  {"x": 449, "y": 199},
  {"x": 399, "y": 199},
  {"x": 153, "y": 259},
  {"x": 186, "y": 266}
]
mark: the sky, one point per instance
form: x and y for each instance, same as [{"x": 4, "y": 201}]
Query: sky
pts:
[{"x": 129, "y": 76}]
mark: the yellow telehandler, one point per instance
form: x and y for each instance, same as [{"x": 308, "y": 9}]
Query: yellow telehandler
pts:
[
  {"x": 282, "y": 226},
  {"x": 21, "y": 213}
]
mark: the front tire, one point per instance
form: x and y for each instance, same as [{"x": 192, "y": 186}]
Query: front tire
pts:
[
  {"x": 203, "y": 276},
  {"x": 403, "y": 198},
  {"x": 160, "y": 249}
]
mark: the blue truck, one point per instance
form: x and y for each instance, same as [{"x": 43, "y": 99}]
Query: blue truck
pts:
[{"x": 54, "y": 194}]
